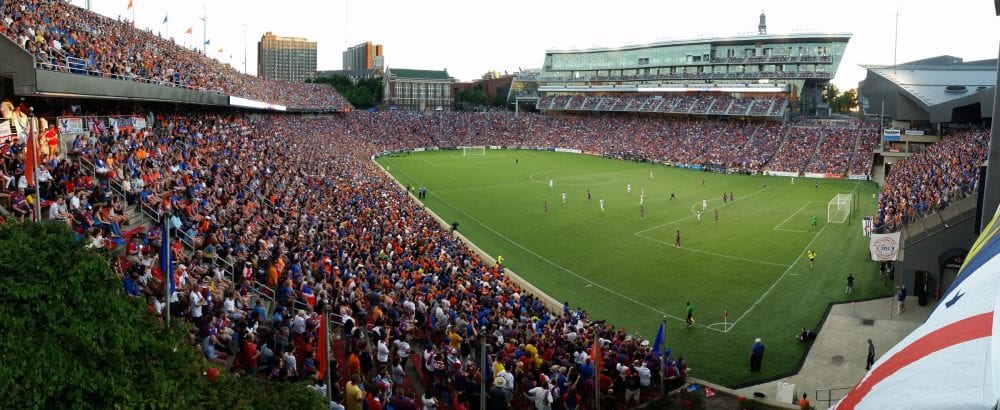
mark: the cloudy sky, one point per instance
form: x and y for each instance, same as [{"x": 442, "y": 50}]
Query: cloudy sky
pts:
[{"x": 472, "y": 37}]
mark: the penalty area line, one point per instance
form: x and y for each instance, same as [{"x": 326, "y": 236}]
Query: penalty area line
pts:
[
  {"x": 783, "y": 274},
  {"x": 782, "y": 265}
]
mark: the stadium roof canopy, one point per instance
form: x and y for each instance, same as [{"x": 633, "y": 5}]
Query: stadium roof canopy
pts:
[
  {"x": 739, "y": 39},
  {"x": 936, "y": 86}
]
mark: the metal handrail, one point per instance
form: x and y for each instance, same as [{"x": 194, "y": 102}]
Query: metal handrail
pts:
[
  {"x": 81, "y": 67},
  {"x": 148, "y": 211},
  {"x": 829, "y": 394}
]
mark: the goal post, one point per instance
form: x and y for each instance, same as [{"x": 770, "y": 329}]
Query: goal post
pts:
[
  {"x": 839, "y": 208},
  {"x": 478, "y": 150}
]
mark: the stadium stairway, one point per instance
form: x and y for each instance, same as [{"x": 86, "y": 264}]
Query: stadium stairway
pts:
[
  {"x": 728, "y": 103},
  {"x": 812, "y": 157},
  {"x": 784, "y": 140}
]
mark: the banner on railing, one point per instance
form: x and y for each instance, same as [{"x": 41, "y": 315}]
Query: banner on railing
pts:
[
  {"x": 570, "y": 150},
  {"x": 914, "y": 132},
  {"x": 859, "y": 177},
  {"x": 885, "y": 246},
  {"x": 97, "y": 126},
  {"x": 823, "y": 175},
  {"x": 7, "y": 137},
  {"x": 71, "y": 125},
  {"x": 783, "y": 173},
  {"x": 890, "y": 134},
  {"x": 127, "y": 123}
]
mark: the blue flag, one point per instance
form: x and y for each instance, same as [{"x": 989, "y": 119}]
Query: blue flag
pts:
[
  {"x": 165, "y": 19},
  {"x": 658, "y": 342},
  {"x": 207, "y": 42},
  {"x": 166, "y": 264}
]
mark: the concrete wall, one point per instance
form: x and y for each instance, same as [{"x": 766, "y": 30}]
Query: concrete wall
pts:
[
  {"x": 65, "y": 84},
  {"x": 18, "y": 64},
  {"x": 953, "y": 229}
]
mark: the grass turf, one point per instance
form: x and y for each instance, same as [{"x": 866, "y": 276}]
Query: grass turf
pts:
[{"x": 622, "y": 268}]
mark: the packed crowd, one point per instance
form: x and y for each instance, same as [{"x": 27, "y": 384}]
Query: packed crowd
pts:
[
  {"x": 293, "y": 208},
  {"x": 320, "y": 228},
  {"x": 720, "y": 105},
  {"x": 797, "y": 150},
  {"x": 928, "y": 181},
  {"x": 64, "y": 37},
  {"x": 836, "y": 150},
  {"x": 861, "y": 162}
]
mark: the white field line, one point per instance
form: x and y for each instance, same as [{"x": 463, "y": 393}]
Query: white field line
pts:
[
  {"x": 769, "y": 289},
  {"x": 802, "y": 253},
  {"x": 776, "y": 227},
  {"x": 692, "y": 214},
  {"x": 715, "y": 254},
  {"x": 420, "y": 157},
  {"x": 560, "y": 267}
]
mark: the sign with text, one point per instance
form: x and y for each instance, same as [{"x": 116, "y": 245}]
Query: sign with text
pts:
[{"x": 885, "y": 246}]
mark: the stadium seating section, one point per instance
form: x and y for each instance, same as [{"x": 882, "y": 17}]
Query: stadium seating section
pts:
[
  {"x": 925, "y": 182},
  {"x": 266, "y": 212},
  {"x": 63, "y": 37},
  {"x": 686, "y": 104}
]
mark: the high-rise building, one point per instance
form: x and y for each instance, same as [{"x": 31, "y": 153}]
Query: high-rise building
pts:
[
  {"x": 364, "y": 57},
  {"x": 286, "y": 58}
]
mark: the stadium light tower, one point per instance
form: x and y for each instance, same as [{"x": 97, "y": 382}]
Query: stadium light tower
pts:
[{"x": 204, "y": 31}]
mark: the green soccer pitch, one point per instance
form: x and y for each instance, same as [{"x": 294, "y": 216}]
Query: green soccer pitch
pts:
[{"x": 619, "y": 267}]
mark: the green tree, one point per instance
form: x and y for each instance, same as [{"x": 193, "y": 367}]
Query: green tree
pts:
[
  {"x": 365, "y": 94},
  {"x": 473, "y": 96},
  {"x": 71, "y": 339},
  {"x": 847, "y": 101}
]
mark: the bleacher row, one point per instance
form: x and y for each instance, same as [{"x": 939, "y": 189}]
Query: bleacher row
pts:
[
  {"x": 687, "y": 104},
  {"x": 746, "y": 75},
  {"x": 926, "y": 182},
  {"x": 67, "y": 38}
]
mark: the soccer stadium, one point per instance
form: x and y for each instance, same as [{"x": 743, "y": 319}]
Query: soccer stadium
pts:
[{"x": 685, "y": 223}]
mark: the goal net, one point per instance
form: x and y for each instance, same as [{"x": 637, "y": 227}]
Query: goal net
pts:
[
  {"x": 474, "y": 151},
  {"x": 839, "y": 209}
]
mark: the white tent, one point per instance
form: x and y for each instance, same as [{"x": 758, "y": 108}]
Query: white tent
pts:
[{"x": 953, "y": 360}]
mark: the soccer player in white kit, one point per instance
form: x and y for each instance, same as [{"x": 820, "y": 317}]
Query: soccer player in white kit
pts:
[
  {"x": 642, "y": 198},
  {"x": 550, "y": 183},
  {"x": 628, "y": 189},
  {"x": 602, "y": 204},
  {"x": 697, "y": 214},
  {"x": 564, "y": 197},
  {"x": 704, "y": 204}
]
